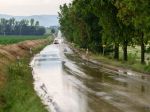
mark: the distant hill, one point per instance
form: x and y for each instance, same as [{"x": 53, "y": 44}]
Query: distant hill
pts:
[{"x": 45, "y": 20}]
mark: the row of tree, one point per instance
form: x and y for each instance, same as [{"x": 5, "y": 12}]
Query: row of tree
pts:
[
  {"x": 99, "y": 24},
  {"x": 23, "y": 27}
]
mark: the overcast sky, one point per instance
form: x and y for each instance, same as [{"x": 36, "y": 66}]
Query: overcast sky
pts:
[{"x": 31, "y": 7}]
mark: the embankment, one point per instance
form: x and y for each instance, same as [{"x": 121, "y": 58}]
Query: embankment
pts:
[
  {"x": 16, "y": 83},
  {"x": 9, "y": 53}
]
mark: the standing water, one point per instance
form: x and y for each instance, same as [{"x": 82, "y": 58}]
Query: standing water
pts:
[
  {"x": 59, "y": 35},
  {"x": 69, "y": 84},
  {"x": 57, "y": 92}
]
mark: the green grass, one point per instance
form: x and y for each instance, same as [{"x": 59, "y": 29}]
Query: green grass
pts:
[
  {"x": 18, "y": 94},
  {"x": 4, "y": 40},
  {"x": 131, "y": 64}
]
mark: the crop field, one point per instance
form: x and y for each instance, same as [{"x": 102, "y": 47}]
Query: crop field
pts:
[{"x": 4, "y": 40}]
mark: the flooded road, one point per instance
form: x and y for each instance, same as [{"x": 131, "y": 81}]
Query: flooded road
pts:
[{"x": 66, "y": 83}]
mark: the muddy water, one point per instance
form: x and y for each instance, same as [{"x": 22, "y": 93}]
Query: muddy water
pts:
[{"x": 65, "y": 83}]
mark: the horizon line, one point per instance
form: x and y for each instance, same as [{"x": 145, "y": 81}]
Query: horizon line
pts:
[{"x": 30, "y": 15}]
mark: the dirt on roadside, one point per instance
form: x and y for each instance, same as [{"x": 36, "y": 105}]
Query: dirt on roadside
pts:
[
  {"x": 10, "y": 53},
  {"x": 112, "y": 68}
]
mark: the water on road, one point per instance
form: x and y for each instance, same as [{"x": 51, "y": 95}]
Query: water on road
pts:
[{"x": 66, "y": 83}]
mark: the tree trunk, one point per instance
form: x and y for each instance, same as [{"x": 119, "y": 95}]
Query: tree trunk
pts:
[
  {"x": 125, "y": 52},
  {"x": 142, "y": 49},
  {"x": 116, "y": 50}
]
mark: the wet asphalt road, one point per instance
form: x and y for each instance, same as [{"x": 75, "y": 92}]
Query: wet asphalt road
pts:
[{"x": 66, "y": 83}]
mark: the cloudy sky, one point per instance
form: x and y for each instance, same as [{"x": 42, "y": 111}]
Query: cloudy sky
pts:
[{"x": 31, "y": 7}]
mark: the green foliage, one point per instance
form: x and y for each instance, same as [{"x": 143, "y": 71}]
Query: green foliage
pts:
[
  {"x": 94, "y": 23},
  {"x": 137, "y": 13},
  {"x": 15, "y": 39},
  {"x": 80, "y": 25},
  {"x": 19, "y": 95},
  {"x": 23, "y": 27}
]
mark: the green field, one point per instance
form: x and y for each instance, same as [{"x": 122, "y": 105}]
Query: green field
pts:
[{"x": 4, "y": 40}]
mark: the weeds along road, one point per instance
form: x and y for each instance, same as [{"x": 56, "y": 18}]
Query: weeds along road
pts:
[
  {"x": 16, "y": 84},
  {"x": 10, "y": 52},
  {"x": 66, "y": 83}
]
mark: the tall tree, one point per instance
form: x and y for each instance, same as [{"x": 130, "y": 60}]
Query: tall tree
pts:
[
  {"x": 107, "y": 14},
  {"x": 32, "y": 22},
  {"x": 136, "y": 12},
  {"x": 13, "y": 27}
]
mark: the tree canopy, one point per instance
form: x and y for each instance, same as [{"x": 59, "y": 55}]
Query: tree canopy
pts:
[
  {"x": 107, "y": 24},
  {"x": 23, "y": 27}
]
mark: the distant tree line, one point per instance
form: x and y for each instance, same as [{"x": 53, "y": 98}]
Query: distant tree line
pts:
[
  {"x": 23, "y": 27},
  {"x": 107, "y": 24}
]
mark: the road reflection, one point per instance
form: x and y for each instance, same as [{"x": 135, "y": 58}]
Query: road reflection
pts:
[
  {"x": 66, "y": 83},
  {"x": 51, "y": 84}
]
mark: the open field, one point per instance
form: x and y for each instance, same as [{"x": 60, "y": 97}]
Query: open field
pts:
[
  {"x": 134, "y": 55},
  {"x": 4, "y": 40}
]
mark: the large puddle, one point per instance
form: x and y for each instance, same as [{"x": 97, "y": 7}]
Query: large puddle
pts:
[{"x": 69, "y": 84}]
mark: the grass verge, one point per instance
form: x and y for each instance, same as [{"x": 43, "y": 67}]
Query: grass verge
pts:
[
  {"x": 135, "y": 66},
  {"x": 18, "y": 95},
  {"x": 131, "y": 64}
]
